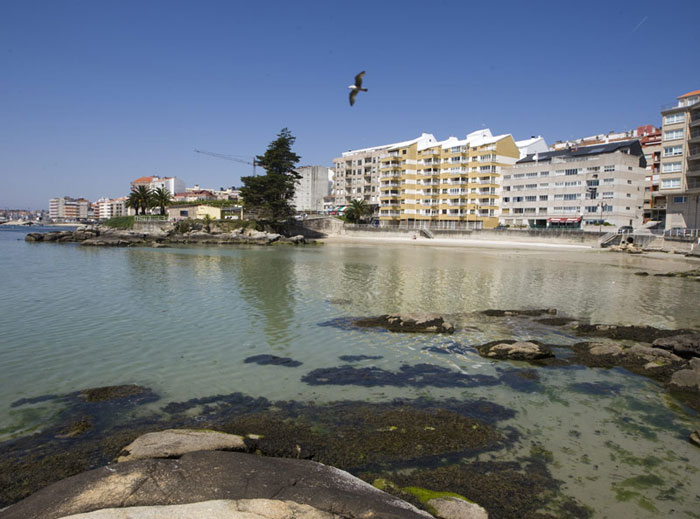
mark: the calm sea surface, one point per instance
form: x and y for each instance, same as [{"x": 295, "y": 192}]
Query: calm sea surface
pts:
[{"x": 182, "y": 320}]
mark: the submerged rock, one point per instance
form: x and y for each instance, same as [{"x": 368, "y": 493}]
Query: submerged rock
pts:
[
  {"x": 419, "y": 375},
  {"x": 109, "y": 393},
  {"x": 173, "y": 443},
  {"x": 528, "y": 313},
  {"x": 429, "y": 323},
  {"x": 274, "y": 360},
  {"x": 515, "y": 350}
]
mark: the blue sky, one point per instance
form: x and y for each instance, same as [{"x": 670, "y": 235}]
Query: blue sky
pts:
[{"x": 94, "y": 94}]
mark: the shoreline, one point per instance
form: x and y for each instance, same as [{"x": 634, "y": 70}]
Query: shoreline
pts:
[{"x": 453, "y": 242}]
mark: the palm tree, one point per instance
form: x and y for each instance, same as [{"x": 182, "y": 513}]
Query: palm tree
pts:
[
  {"x": 162, "y": 198},
  {"x": 357, "y": 211},
  {"x": 145, "y": 197},
  {"x": 132, "y": 202}
]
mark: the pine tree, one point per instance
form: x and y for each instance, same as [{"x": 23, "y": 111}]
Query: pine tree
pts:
[{"x": 271, "y": 193}]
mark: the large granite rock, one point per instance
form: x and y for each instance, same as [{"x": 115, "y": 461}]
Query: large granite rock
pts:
[
  {"x": 212, "y": 475},
  {"x": 176, "y": 442},
  {"x": 412, "y": 323},
  {"x": 685, "y": 345},
  {"x": 515, "y": 350},
  {"x": 218, "y": 509}
]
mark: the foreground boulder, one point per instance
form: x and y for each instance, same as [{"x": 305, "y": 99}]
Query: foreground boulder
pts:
[
  {"x": 456, "y": 508},
  {"x": 429, "y": 323},
  {"x": 515, "y": 350},
  {"x": 205, "y": 476},
  {"x": 176, "y": 442},
  {"x": 217, "y": 509}
]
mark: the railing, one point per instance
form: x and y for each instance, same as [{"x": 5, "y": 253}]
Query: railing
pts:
[
  {"x": 150, "y": 218},
  {"x": 686, "y": 234}
]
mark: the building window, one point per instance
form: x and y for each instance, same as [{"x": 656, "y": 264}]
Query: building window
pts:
[
  {"x": 544, "y": 173},
  {"x": 670, "y": 167},
  {"x": 519, "y": 175},
  {"x": 572, "y": 171},
  {"x": 530, "y": 186},
  {"x": 531, "y": 199},
  {"x": 591, "y": 183},
  {"x": 543, "y": 197},
  {"x": 607, "y": 194},
  {"x": 591, "y": 208},
  {"x": 608, "y": 180},
  {"x": 607, "y": 208},
  {"x": 593, "y": 169},
  {"x": 672, "y": 151},
  {"x": 670, "y": 183},
  {"x": 680, "y": 199},
  {"x": 533, "y": 174},
  {"x": 670, "y": 135},
  {"x": 609, "y": 168},
  {"x": 674, "y": 118},
  {"x": 573, "y": 196}
]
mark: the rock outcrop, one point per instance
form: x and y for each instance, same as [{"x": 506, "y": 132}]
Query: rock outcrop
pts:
[
  {"x": 515, "y": 350},
  {"x": 686, "y": 345},
  {"x": 206, "y": 476},
  {"x": 428, "y": 323},
  {"x": 173, "y": 443},
  {"x": 107, "y": 237}
]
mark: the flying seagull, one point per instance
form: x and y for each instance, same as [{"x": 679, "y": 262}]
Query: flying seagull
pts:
[{"x": 357, "y": 87}]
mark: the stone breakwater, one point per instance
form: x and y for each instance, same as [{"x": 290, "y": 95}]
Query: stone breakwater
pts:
[{"x": 106, "y": 237}]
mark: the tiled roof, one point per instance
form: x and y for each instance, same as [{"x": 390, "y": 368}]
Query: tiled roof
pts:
[
  {"x": 690, "y": 94},
  {"x": 582, "y": 151},
  {"x": 143, "y": 180}
]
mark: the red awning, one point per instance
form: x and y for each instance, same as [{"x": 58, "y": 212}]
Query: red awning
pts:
[
  {"x": 573, "y": 220},
  {"x": 556, "y": 220}
]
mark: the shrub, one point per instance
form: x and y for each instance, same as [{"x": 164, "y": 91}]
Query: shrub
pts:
[{"x": 120, "y": 222}]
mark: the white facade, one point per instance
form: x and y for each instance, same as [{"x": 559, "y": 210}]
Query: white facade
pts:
[
  {"x": 531, "y": 145},
  {"x": 172, "y": 184},
  {"x": 311, "y": 188},
  {"x": 67, "y": 208},
  {"x": 106, "y": 208}
]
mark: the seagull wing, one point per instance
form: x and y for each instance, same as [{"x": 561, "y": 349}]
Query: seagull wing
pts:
[
  {"x": 358, "y": 79},
  {"x": 353, "y": 94}
]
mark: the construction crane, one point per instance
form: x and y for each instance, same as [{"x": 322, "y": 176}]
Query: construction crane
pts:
[{"x": 231, "y": 157}]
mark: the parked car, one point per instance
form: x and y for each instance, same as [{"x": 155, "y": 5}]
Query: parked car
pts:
[{"x": 625, "y": 229}]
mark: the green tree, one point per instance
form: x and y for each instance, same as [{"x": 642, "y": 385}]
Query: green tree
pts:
[
  {"x": 144, "y": 197},
  {"x": 132, "y": 201},
  {"x": 357, "y": 211},
  {"x": 271, "y": 193},
  {"x": 162, "y": 198},
  {"x": 207, "y": 222}
]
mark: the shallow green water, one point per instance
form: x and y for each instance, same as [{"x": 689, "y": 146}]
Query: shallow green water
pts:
[{"x": 182, "y": 320}]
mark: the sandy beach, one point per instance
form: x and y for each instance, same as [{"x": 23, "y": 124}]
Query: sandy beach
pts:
[{"x": 454, "y": 242}]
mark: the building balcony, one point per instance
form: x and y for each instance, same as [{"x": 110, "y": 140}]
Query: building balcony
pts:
[{"x": 695, "y": 123}]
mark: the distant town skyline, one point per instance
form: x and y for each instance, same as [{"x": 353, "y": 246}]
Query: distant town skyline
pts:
[{"x": 95, "y": 95}]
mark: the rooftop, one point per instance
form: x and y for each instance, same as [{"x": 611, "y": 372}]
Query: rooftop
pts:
[
  {"x": 690, "y": 94},
  {"x": 632, "y": 146}
]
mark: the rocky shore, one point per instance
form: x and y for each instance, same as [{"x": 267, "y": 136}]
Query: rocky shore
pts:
[{"x": 107, "y": 237}]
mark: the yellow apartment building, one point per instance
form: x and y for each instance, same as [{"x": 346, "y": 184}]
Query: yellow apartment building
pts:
[{"x": 452, "y": 184}]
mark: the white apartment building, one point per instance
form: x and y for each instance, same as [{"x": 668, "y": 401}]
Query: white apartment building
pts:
[
  {"x": 579, "y": 187},
  {"x": 67, "y": 208},
  {"x": 106, "y": 208},
  {"x": 223, "y": 193},
  {"x": 311, "y": 188},
  {"x": 356, "y": 173},
  {"x": 531, "y": 146},
  {"x": 680, "y": 162},
  {"x": 172, "y": 184}
]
